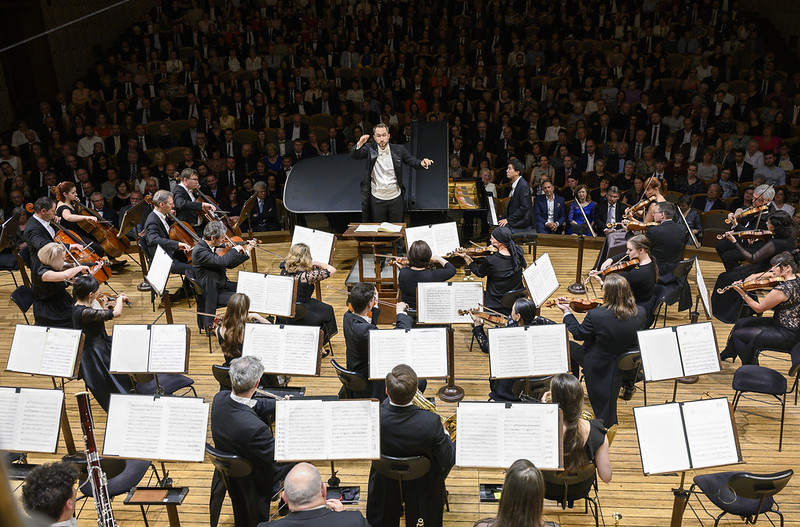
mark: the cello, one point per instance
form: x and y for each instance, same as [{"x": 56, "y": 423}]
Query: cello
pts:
[
  {"x": 180, "y": 231},
  {"x": 105, "y": 233}
]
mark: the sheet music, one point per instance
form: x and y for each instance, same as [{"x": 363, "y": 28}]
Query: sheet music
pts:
[
  {"x": 525, "y": 351},
  {"x": 60, "y": 350},
  {"x": 662, "y": 443},
  {"x": 252, "y": 285},
  {"x": 130, "y": 348},
  {"x": 479, "y": 428},
  {"x": 540, "y": 279},
  {"x": 44, "y": 351},
  {"x": 702, "y": 289},
  {"x": 439, "y": 302},
  {"x": 271, "y": 294},
  {"x": 354, "y": 429},
  {"x": 27, "y": 349},
  {"x": 319, "y": 242},
  {"x": 300, "y": 431},
  {"x": 185, "y": 426},
  {"x": 709, "y": 430},
  {"x": 492, "y": 218},
  {"x": 168, "y": 348},
  {"x": 661, "y": 357},
  {"x": 424, "y": 349},
  {"x": 550, "y": 349},
  {"x": 699, "y": 351},
  {"x": 30, "y": 419},
  {"x": 282, "y": 349},
  {"x": 158, "y": 272},
  {"x": 442, "y": 237}
]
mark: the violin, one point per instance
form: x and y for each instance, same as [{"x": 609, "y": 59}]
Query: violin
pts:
[
  {"x": 104, "y": 297},
  {"x": 579, "y": 305},
  {"x": 611, "y": 269},
  {"x": 633, "y": 225},
  {"x": 473, "y": 252},
  {"x": 643, "y": 203},
  {"x": 749, "y": 212},
  {"x": 105, "y": 233},
  {"x": 232, "y": 230},
  {"x": 488, "y": 317},
  {"x": 752, "y": 285},
  {"x": 749, "y": 235},
  {"x": 84, "y": 256},
  {"x": 399, "y": 262},
  {"x": 233, "y": 241}
]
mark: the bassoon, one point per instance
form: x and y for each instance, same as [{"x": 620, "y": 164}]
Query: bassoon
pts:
[{"x": 97, "y": 478}]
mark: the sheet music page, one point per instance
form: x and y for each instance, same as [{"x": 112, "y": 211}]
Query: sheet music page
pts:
[
  {"x": 253, "y": 285},
  {"x": 709, "y": 429},
  {"x": 290, "y": 350},
  {"x": 479, "y": 429},
  {"x": 9, "y": 414},
  {"x": 389, "y": 227},
  {"x": 467, "y": 295},
  {"x": 60, "y": 351},
  {"x": 130, "y": 348},
  {"x": 662, "y": 443},
  {"x": 279, "y": 295},
  {"x": 39, "y": 415},
  {"x": 133, "y": 426},
  {"x": 354, "y": 429},
  {"x": 168, "y": 348},
  {"x": 442, "y": 237},
  {"x": 550, "y": 349},
  {"x": 387, "y": 349},
  {"x": 319, "y": 242},
  {"x": 300, "y": 431},
  {"x": 436, "y": 303},
  {"x": 27, "y": 349},
  {"x": 540, "y": 279},
  {"x": 492, "y": 219},
  {"x": 158, "y": 272},
  {"x": 367, "y": 228},
  {"x": 509, "y": 353},
  {"x": 428, "y": 352},
  {"x": 661, "y": 358},
  {"x": 183, "y": 436},
  {"x": 698, "y": 348},
  {"x": 531, "y": 432},
  {"x": 702, "y": 289}
]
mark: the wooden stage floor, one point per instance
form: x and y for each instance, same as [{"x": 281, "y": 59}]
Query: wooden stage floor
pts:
[{"x": 642, "y": 501}]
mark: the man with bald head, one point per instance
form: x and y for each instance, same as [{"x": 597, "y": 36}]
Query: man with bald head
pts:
[{"x": 305, "y": 494}]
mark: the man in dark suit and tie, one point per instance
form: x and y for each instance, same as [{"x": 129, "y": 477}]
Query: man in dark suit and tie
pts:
[
  {"x": 239, "y": 426},
  {"x": 38, "y": 231},
  {"x": 711, "y": 201},
  {"x": 667, "y": 241},
  {"x": 609, "y": 210},
  {"x": 519, "y": 205},
  {"x": 296, "y": 129},
  {"x": 357, "y": 325},
  {"x": 156, "y": 233},
  {"x": 407, "y": 430},
  {"x": 305, "y": 494},
  {"x": 549, "y": 212},
  {"x": 114, "y": 142}
]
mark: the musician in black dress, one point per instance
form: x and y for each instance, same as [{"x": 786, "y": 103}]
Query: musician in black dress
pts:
[
  {"x": 299, "y": 264},
  {"x": 728, "y": 306},
  {"x": 726, "y": 248},
  {"x": 607, "y": 332},
  {"x": 52, "y": 303},
  {"x": 90, "y": 316},
  {"x": 523, "y": 313},
  {"x": 419, "y": 258},
  {"x": 782, "y": 329},
  {"x": 641, "y": 276},
  {"x": 503, "y": 269}
]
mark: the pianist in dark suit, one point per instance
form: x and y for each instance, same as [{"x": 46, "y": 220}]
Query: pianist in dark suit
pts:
[
  {"x": 156, "y": 233},
  {"x": 382, "y": 187},
  {"x": 518, "y": 217}
]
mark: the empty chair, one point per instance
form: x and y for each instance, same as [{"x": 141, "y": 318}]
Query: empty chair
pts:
[
  {"x": 22, "y": 296},
  {"x": 162, "y": 384},
  {"x": 742, "y": 493},
  {"x": 352, "y": 382}
]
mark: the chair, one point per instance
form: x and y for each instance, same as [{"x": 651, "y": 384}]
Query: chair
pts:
[
  {"x": 511, "y": 297},
  {"x": 743, "y": 494},
  {"x": 222, "y": 374},
  {"x": 22, "y": 296},
  {"x": 677, "y": 291},
  {"x": 402, "y": 469},
  {"x": 122, "y": 474},
  {"x": 351, "y": 381},
  {"x": 628, "y": 364},
  {"x": 565, "y": 489},
  {"x": 162, "y": 384},
  {"x": 24, "y": 262},
  {"x": 232, "y": 467}
]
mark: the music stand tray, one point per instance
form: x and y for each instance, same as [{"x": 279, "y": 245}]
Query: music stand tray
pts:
[{"x": 171, "y": 497}]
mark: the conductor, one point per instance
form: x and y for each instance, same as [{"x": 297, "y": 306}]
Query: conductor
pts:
[{"x": 382, "y": 187}]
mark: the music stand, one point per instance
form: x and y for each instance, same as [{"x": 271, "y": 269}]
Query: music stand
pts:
[
  {"x": 133, "y": 216},
  {"x": 10, "y": 228}
]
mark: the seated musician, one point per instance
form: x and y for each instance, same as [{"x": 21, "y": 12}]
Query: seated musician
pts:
[
  {"x": 90, "y": 316},
  {"x": 522, "y": 499},
  {"x": 407, "y": 430},
  {"x": 211, "y": 269},
  {"x": 667, "y": 240},
  {"x": 641, "y": 276},
  {"x": 49, "y": 494},
  {"x": 417, "y": 271},
  {"x": 39, "y": 232},
  {"x": 239, "y": 426},
  {"x": 523, "y": 313},
  {"x": 782, "y": 329},
  {"x": 549, "y": 210},
  {"x": 503, "y": 269},
  {"x": 67, "y": 194},
  {"x": 187, "y": 207},
  {"x": 156, "y": 233},
  {"x": 608, "y": 331},
  {"x": 356, "y": 325},
  {"x": 653, "y": 187},
  {"x": 298, "y": 264},
  {"x": 727, "y": 306},
  {"x": 230, "y": 333},
  {"x": 727, "y": 250},
  {"x": 52, "y": 304}
]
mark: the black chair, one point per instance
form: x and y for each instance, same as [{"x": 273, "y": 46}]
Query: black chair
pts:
[
  {"x": 122, "y": 474},
  {"x": 678, "y": 291},
  {"x": 402, "y": 469},
  {"x": 223, "y": 375},
  {"x": 351, "y": 381},
  {"x": 24, "y": 262},
  {"x": 22, "y": 296},
  {"x": 512, "y": 296},
  {"x": 528, "y": 238},
  {"x": 630, "y": 364},
  {"x": 742, "y": 493},
  {"x": 9, "y": 264},
  {"x": 565, "y": 488},
  {"x": 193, "y": 286},
  {"x": 534, "y": 384},
  {"x": 162, "y": 384},
  {"x": 231, "y": 468}
]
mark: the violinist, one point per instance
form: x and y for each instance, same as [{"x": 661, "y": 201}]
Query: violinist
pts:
[
  {"x": 156, "y": 233},
  {"x": 188, "y": 208},
  {"x": 653, "y": 187},
  {"x": 780, "y": 331},
  {"x": 727, "y": 250},
  {"x": 51, "y": 301},
  {"x": 502, "y": 268},
  {"x": 419, "y": 258},
  {"x": 727, "y": 306},
  {"x": 211, "y": 269},
  {"x": 667, "y": 240},
  {"x": 643, "y": 275},
  {"x": 90, "y": 316},
  {"x": 523, "y": 313},
  {"x": 607, "y": 332},
  {"x": 67, "y": 193}
]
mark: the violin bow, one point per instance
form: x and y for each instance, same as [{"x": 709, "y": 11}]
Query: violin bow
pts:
[
  {"x": 644, "y": 191},
  {"x": 591, "y": 230},
  {"x": 686, "y": 224}
]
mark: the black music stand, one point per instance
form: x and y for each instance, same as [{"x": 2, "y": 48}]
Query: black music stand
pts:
[{"x": 10, "y": 228}]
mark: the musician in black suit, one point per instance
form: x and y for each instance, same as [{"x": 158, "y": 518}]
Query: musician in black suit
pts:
[
  {"x": 305, "y": 494},
  {"x": 667, "y": 241},
  {"x": 607, "y": 332},
  {"x": 610, "y": 205},
  {"x": 357, "y": 325},
  {"x": 407, "y": 430},
  {"x": 211, "y": 269},
  {"x": 156, "y": 233},
  {"x": 38, "y": 231},
  {"x": 239, "y": 426},
  {"x": 518, "y": 217},
  {"x": 382, "y": 187},
  {"x": 188, "y": 208}
]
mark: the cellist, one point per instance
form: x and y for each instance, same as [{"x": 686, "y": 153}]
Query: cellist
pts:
[{"x": 156, "y": 233}]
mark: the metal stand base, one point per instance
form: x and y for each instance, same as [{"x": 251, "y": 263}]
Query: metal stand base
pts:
[
  {"x": 144, "y": 286},
  {"x": 577, "y": 289},
  {"x": 451, "y": 394}
]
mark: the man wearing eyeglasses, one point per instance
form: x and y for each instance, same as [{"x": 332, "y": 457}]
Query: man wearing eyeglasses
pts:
[{"x": 187, "y": 207}]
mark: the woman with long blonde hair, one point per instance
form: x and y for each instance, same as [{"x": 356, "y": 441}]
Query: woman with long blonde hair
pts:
[{"x": 308, "y": 273}]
